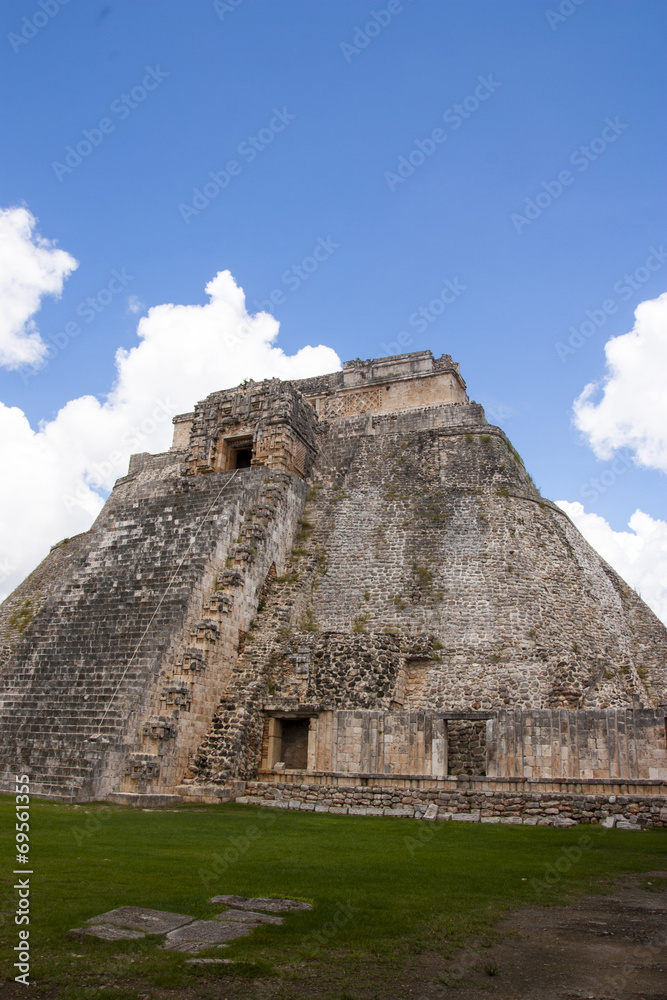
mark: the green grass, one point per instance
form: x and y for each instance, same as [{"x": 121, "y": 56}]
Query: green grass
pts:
[
  {"x": 384, "y": 890},
  {"x": 423, "y": 574},
  {"x": 22, "y": 618}
]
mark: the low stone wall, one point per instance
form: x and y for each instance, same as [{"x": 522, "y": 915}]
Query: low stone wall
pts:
[{"x": 465, "y": 805}]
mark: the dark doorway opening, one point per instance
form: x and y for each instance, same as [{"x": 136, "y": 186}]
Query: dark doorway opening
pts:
[
  {"x": 243, "y": 458},
  {"x": 295, "y": 743}
]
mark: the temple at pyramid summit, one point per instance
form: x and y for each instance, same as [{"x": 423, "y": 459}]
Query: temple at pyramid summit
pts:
[{"x": 344, "y": 594}]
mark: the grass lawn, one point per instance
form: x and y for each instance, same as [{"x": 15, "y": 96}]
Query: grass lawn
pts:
[{"x": 385, "y": 890}]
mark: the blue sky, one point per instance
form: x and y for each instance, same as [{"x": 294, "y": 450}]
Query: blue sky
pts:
[{"x": 549, "y": 84}]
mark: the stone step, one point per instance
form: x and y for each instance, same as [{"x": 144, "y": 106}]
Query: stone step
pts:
[{"x": 144, "y": 800}]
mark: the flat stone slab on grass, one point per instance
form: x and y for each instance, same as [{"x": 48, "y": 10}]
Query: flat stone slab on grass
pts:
[
  {"x": 205, "y": 934},
  {"x": 106, "y": 932},
  {"x": 209, "y": 961},
  {"x": 247, "y": 917},
  {"x": 140, "y": 919},
  {"x": 269, "y": 905}
]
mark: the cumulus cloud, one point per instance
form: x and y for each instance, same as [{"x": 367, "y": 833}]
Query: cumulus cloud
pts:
[
  {"x": 632, "y": 410},
  {"x": 30, "y": 268},
  {"x": 61, "y": 469},
  {"x": 638, "y": 555}
]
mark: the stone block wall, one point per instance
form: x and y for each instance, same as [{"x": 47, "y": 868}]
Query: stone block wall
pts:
[
  {"x": 440, "y": 389},
  {"x": 386, "y": 385},
  {"x": 380, "y": 742},
  {"x": 615, "y": 744},
  {"x": 611, "y": 743}
]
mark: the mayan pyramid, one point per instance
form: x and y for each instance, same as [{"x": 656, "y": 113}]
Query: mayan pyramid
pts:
[{"x": 348, "y": 574}]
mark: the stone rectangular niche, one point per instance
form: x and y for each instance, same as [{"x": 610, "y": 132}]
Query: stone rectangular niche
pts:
[
  {"x": 286, "y": 740},
  {"x": 237, "y": 453}
]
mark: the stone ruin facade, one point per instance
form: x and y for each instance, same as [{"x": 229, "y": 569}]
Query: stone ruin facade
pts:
[{"x": 337, "y": 593}]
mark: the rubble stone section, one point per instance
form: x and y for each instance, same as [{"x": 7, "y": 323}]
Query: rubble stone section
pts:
[
  {"x": 358, "y": 561},
  {"x": 466, "y": 747}
]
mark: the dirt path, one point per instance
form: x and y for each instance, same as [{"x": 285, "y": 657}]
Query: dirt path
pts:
[{"x": 596, "y": 948}]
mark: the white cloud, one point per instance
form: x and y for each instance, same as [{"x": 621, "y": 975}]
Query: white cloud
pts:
[
  {"x": 135, "y": 305},
  {"x": 184, "y": 353},
  {"x": 30, "y": 268},
  {"x": 638, "y": 555},
  {"x": 632, "y": 412}
]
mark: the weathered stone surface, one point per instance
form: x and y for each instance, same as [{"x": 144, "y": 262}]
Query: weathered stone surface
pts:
[
  {"x": 201, "y": 934},
  {"x": 107, "y": 932},
  {"x": 141, "y": 919},
  {"x": 268, "y": 904},
  {"x": 247, "y": 917},
  {"x": 431, "y": 812}
]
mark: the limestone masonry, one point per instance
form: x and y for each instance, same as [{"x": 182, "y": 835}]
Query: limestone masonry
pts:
[{"x": 342, "y": 593}]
